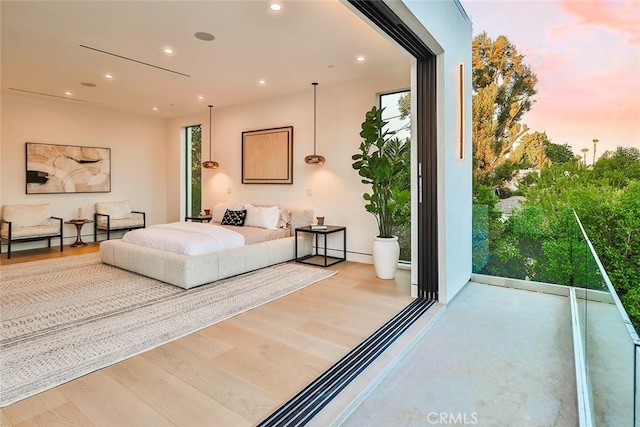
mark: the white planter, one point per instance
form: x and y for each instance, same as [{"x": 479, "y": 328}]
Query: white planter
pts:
[{"x": 386, "y": 253}]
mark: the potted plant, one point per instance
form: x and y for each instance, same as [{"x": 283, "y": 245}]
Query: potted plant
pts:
[{"x": 380, "y": 162}]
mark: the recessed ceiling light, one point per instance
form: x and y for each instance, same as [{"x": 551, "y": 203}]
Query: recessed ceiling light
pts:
[
  {"x": 168, "y": 50},
  {"x": 275, "y": 7},
  {"x": 360, "y": 58},
  {"x": 87, "y": 84},
  {"x": 68, "y": 93},
  {"x": 200, "y": 97},
  {"x": 108, "y": 76},
  {"x": 262, "y": 82},
  {"x": 201, "y": 35},
  {"x": 155, "y": 108}
]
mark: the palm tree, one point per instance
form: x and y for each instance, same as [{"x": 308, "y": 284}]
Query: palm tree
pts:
[
  {"x": 595, "y": 141},
  {"x": 584, "y": 155}
]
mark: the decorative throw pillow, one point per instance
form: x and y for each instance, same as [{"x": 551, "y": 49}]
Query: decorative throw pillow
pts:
[
  {"x": 219, "y": 209},
  {"x": 234, "y": 217}
]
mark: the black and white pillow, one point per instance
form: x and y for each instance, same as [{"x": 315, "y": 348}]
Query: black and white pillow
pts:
[{"x": 234, "y": 217}]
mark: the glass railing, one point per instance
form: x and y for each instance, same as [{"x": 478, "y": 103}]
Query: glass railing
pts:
[
  {"x": 527, "y": 247},
  {"x": 611, "y": 342}
]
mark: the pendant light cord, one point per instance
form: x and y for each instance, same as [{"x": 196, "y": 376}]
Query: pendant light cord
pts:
[
  {"x": 315, "y": 86},
  {"x": 210, "y": 155}
]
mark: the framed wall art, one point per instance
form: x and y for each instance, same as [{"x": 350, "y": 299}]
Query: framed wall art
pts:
[
  {"x": 267, "y": 156},
  {"x": 53, "y": 168}
]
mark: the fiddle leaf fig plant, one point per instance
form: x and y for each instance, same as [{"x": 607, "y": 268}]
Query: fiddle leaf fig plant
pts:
[{"x": 380, "y": 162}]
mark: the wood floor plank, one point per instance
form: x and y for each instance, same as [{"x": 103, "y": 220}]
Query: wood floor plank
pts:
[
  {"x": 352, "y": 319},
  {"x": 245, "y": 399},
  {"x": 40, "y": 403},
  {"x": 4, "y": 420},
  {"x": 336, "y": 334},
  {"x": 257, "y": 323},
  {"x": 280, "y": 379},
  {"x": 203, "y": 345},
  {"x": 64, "y": 415},
  {"x": 179, "y": 402},
  {"x": 105, "y": 402}
]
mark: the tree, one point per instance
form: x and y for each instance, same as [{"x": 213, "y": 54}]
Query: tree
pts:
[
  {"x": 618, "y": 168},
  {"x": 503, "y": 92},
  {"x": 532, "y": 150},
  {"x": 559, "y": 154}
]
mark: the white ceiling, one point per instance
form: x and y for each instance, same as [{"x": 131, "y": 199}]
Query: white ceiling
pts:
[{"x": 307, "y": 41}]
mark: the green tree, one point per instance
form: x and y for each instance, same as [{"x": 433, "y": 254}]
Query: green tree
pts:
[
  {"x": 618, "y": 168},
  {"x": 559, "y": 153},
  {"x": 503, "y": 87},
  {"x": 532, "y": 150}
]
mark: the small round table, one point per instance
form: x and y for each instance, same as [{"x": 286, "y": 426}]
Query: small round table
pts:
[{"x": 78, "y": 223}]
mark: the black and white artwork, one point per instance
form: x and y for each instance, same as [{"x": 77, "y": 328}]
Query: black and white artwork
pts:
[{"x": 53, "y": 168}]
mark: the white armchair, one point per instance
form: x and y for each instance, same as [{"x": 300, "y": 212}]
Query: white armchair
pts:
[
  {"x": 110, "y": 216},
  {"x": 26, "y": 223}
]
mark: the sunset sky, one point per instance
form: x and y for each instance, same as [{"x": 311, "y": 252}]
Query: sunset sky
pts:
[{"x": 586, "y": 55}]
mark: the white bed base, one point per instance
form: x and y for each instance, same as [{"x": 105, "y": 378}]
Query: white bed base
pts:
[{"x": 188, "y": 271}]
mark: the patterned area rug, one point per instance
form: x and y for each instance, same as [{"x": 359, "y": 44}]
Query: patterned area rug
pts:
[{"x": 63, "y": 318}]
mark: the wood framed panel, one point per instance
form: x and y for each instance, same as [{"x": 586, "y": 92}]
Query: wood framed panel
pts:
[{"x": 267, "y": 156}]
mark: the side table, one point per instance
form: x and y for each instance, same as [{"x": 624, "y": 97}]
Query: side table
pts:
[
  {"x": 205, "y": 218},
  {"x": 315, "y": 258},
  {"x": 78, "y": 223}
]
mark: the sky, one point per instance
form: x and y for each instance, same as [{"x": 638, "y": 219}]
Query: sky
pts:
[{"x": 586, "y": 55}]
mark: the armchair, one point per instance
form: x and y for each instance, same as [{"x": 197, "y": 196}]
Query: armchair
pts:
[
  {"x": 111, "y": 216},
  {"x": 26, "y": 223}
]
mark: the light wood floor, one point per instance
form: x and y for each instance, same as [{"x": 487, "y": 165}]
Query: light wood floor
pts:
[{"x": 234, "y": 373}]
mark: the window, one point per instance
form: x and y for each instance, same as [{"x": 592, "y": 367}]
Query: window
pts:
[
  {"x": 193, "y": 170},
  {"x": 397, "y": 111}
]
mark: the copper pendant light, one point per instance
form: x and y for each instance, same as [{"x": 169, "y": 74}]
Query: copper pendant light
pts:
[
  {"x": 210, "y": 164},
  {"x": 314, "y": 159}
]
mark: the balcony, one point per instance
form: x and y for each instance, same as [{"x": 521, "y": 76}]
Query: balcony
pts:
[{"x": 508, "y": 351}]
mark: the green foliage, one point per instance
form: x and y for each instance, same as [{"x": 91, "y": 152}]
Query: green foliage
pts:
[
  {"x": 542, "y": 241},
  {"x": 559, "y": 154},
  {"x": 618, "y": 168},
  {"x": 381, "y": 161},
  {"x": 504, "y": 87}
]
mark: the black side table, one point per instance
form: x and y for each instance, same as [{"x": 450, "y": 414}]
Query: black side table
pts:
[
  {"x": 205, "y": 218},
  {"x": 78, "y": 223},
  {"x": 315, "y": 258}
]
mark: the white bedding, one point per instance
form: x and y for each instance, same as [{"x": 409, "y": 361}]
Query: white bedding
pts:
[{"x": 186, "y": 238}]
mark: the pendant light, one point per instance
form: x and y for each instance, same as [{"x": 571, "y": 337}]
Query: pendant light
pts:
[
  {"x": 314, "y": 159},
  {"x": 210, "y": 164}
]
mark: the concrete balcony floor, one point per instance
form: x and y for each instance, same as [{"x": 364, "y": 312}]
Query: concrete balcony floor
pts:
[{"x": 495, "y": 357}]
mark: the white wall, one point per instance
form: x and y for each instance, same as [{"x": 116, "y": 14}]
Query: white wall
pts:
[
  {"x": 447, "y": 32},
  {"x": 336, "y": 191},
  {"x": 138, "y": 156}
]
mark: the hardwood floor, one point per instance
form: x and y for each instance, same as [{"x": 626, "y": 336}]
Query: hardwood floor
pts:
[{"x": 234, "y": 373}]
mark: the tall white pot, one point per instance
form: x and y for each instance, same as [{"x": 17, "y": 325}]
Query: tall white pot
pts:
[{"x": 386, "y": 253}]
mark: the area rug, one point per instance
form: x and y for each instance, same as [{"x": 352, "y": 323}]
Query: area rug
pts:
[{"x": 64, "y": 318}]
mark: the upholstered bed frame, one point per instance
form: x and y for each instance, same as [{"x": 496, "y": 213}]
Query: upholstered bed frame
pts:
[{"x": 188, "y": 271}]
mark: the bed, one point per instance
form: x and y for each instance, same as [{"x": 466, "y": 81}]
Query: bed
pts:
[{"x": 191, "y": 254}]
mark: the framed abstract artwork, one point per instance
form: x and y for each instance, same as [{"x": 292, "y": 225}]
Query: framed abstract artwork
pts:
[
  {"x": 53, "y": 168},
  {"x": 267, "y": 156}
]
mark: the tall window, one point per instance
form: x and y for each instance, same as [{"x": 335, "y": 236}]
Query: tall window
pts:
[
  {"x": 397, "y": 111},
  {"x": 193, "y": 169}
]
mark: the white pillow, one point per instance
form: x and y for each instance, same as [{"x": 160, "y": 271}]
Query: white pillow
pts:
[
  {"x": 284, "y": 220},
  {"x": 220, "y": 208},
  {"x": 266, "y": 217}
]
